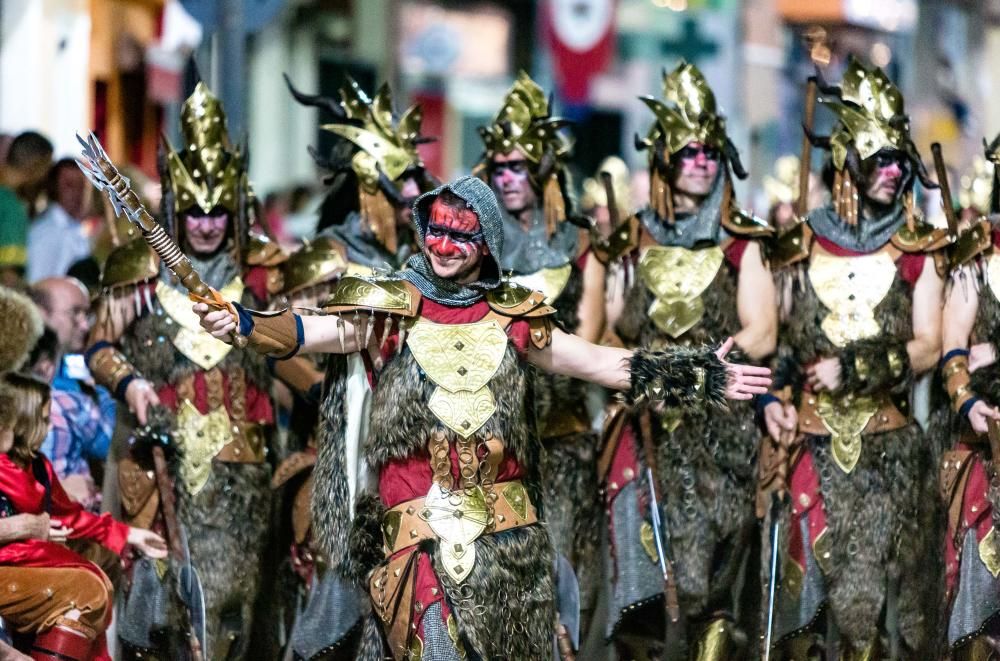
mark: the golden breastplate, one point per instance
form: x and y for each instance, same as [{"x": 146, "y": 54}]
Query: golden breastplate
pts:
[
  {"x": 200, "y": 437},
  {"x": 460, "y": 359},
  {"x": 191, "y": 339},
  {"x": 677, "y": 277},
  {"x": 993, "y": 274},
  {"x": 550, "y": 282},
  {"x": 851, "y": 288}
]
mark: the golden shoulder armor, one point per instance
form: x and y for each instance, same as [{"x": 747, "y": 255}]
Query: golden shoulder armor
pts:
[
  {"x": 971, "y": 243},
  {"x": 744, "y": 223},
  {"x": 315, "y": 262},
  {"x": 381, "y": 294},
  {"x": 551, "y": 282},
  {"x": 262, "y": 251},
  {"x": 789, "y": 246},
  {"x": 513, "y": 300},
  {"x": 130, "y": 264},
  {"x": 924, "y": 237}
]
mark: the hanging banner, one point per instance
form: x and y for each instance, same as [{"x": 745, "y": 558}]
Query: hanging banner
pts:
[{"x": 581, "y": 38}]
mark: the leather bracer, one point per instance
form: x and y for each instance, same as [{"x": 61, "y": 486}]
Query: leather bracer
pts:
[
  {"x": 679, "y": 377},
  {"x": 273, "y": 334},
  {"x": 110, "y": 367},
  {"x": 869, "y": 367},
  {"x": 955, "y": 373}
]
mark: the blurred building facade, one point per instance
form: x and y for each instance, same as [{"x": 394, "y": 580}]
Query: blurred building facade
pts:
[{"x": 118, "y": 67}]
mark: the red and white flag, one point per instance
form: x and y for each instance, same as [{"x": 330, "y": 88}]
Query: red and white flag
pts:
[{"x": 581, "y": 38}]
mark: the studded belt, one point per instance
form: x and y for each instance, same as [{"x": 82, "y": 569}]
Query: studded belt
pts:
[{"x": 459, "y": 514}]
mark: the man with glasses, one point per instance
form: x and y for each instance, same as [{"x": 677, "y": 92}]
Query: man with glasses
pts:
[
  {"x": 863, "y": 324},
  {"x": 213, "y": 403},
  {"x": 699, "y": 277}
]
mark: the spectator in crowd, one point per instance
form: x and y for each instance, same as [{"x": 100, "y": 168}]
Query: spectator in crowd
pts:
[
  {"x": 21, "y": 175},
  {"x": 78, "y": 433},
  {"x": 53, "y": 593},
  {"x": 58, "y": 238},
  {"x": 65, "y": 307}
]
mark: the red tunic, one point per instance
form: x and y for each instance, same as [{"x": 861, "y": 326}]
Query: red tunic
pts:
[
  {"x": 28, "y": 497},
  {"x": 405, "y": 479}
]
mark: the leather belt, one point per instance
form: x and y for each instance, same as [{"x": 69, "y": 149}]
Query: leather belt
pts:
[
  {"x": 887, "y": 418},
  {"x": 407, "y": 524},
  {"x": 249, "y": 444}
]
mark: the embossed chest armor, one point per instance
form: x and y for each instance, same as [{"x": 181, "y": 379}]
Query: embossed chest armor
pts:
[
  {"x": 460, "y": 359},
  {"x": 191, "y": 339},
  {"x": 677, "y": 277}
]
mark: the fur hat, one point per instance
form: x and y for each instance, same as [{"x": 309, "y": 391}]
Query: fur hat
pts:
[{"x": 20, "y": 328}]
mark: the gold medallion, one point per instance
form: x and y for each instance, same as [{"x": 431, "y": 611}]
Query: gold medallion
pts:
[
  {"x": 460, "y": 359},
  {"x": 191, "y": 339},
  {"x": 845, "y": 417},
  {"x": 458, "y": 518},
  {"x": 200, "y": 438},
  {"x": 851, "y": 287},
  {"x": 677, "y": 277},
  {"x": 550, "y": 282}
]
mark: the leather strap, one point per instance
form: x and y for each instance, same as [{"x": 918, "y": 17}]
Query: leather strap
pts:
[
  {"x": 887, "y": 418},
  {"x": 413, "y": 529}
]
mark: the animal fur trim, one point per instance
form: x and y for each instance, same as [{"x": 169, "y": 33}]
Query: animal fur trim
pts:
[
  {"x": 365, "y": 538},
  {"x": 678, "y": 377},
  {"x": 22, "y": 326},
  {"x": 876, "y": 365}
]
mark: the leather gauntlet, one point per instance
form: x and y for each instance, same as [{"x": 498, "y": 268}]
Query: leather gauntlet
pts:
[
  {"x": 868, "y": 367},
  {"x": 276, "y": 335},
  {"x": 110, "y": 367},
  {"x": 955, "y": 372},
  {"x": 677, "y": 378}
]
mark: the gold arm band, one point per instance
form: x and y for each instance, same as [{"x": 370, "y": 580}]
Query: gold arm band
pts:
[
  {"x": 956, "y": 381},
  {"x": 110, "y": 367}
]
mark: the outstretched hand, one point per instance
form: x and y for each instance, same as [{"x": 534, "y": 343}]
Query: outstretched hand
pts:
[
  {"x": 742, "y": 381},
  {"x": 220, "y": 324},
  {"x": 980, "y": 415}
]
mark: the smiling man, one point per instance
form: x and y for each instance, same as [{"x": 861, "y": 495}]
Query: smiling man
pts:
[
  {"x": 864, "y": 322},
  {"x": 148, "y": 348},
  {"x": 442, "y": 486}
]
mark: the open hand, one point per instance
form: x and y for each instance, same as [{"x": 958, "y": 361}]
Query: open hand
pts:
[
  {"x": 140, "y": 395},
  {"x": 781, "y": 421},
  {"x": 743, "y": 381},
  {"x": 147, "y": 541},
  {"x": 824, "y": 374},
  {"x": 980, "y": 415},
  {"x": 220, "y": 324}
]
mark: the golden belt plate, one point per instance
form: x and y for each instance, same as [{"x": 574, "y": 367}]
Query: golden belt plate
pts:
[
  {"x": 200, "y": 438},
  {"x": 458, "y": 518},
  {"x": 463, "y": 412},
  {"x": 851, "y": 288},
  {"x": 191, "y": 339},
  {"x": 845, "y": 417},
  {"x": 458, "y": 356},
  {"x": 550, "y": 282}
]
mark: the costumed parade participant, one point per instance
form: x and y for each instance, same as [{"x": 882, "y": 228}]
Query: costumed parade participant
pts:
[
  {"x": 211, "y": 402},
  {"x": 373, "y": 142},
  {"x": 441, "y": 490},
  {"x": 864, "y": 322},
  {"x": 699, "y": 277},
  {"x": 374, "y": 175},
  {"x": 524, "y": 163},
  {"x": 969, "y": 478}
]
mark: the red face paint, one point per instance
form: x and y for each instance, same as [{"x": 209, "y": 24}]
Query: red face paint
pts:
[{"x": 453, "y": 232}]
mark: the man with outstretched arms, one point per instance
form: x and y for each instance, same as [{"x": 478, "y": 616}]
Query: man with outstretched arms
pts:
[{"x": 439, "y": 479}]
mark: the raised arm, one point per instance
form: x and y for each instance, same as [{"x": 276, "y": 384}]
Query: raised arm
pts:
[{"x": 676, "y": 377}]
